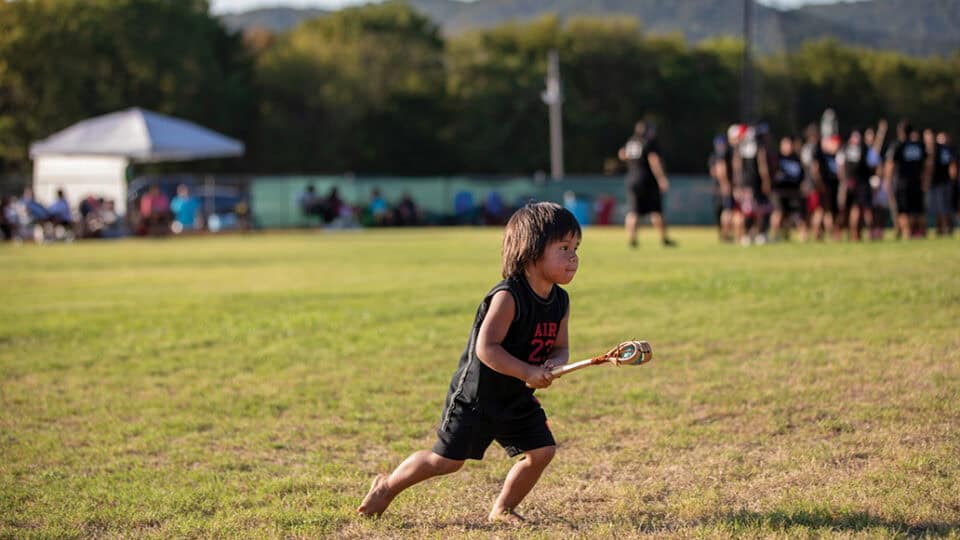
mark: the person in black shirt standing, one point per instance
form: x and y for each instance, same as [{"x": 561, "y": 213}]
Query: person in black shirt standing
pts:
[
  {"x": 645, "y": 182},
  {"x": 875, "y": 139},
  {"x": 754, "y": 178},
  {"x": 827, "y": 182},
  {"x": 857, "y": 163},
  {"x": 943, "y": 183},
  {"x": 909, "y": 160},
  {"x": 788, "y": 197},
  {"x": 519, "y": 333},
  {"x": 721, "y": 169}
]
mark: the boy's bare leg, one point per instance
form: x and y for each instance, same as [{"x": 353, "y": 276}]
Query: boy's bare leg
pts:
[
  {"x": 520, "y": 480},
  {"x": 420, "y": 466}
]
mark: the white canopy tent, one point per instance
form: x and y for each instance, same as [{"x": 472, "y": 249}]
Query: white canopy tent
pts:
[{"x": 92, "y": 156}]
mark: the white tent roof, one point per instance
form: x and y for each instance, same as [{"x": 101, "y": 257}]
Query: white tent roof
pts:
[{"x": 138, "y": 135}]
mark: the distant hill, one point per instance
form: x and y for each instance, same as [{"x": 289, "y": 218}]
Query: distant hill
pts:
[
  {"x": 918, "y": 27},
  {"x": 277, "y": 19}
]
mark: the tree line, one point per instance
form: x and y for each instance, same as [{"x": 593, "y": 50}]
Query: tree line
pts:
[{"x": 378, "y": 89}]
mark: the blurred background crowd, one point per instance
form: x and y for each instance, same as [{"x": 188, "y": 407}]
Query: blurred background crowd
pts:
[
  {"x": 394, "y": 95},
  {"x": 832, "y": 183}
]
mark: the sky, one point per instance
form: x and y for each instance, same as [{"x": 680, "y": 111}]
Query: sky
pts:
[{"x": 233, "y": 6}]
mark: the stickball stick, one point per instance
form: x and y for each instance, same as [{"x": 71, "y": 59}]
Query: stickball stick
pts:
[{"x": 630, "y": 353}]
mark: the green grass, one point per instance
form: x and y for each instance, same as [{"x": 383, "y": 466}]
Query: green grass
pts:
[{"x": 251, "y": 386}]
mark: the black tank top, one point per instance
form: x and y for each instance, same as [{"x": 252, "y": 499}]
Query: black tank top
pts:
[{"x": 530, "y": 338}]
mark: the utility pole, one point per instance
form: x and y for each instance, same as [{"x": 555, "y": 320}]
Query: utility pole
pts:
[
  {"x": 746, "y": 80},
  {"x": 553, "y": 97}
]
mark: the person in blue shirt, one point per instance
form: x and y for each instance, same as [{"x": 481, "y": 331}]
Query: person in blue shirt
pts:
[
  {"x": 185, "y": 209},
  {"x": 59, "y": 211},
  {"x": 379, "y": 208}
]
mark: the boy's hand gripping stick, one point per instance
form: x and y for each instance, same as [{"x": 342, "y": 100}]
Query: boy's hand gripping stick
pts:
[{"x": 630, "y": 353}]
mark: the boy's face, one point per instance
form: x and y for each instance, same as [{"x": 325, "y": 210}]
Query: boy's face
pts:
[{"x": 559, "y": 262}]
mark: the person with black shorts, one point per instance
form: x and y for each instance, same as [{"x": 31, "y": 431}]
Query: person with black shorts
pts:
[
  {"x": 828, "y": 183},
  {"x": 721, "y": 168},
  {"x": 645, "y": 182},
  {"x": 856, "y": 165},
  {"x": 808, "y": 150},
  {"x": 942, "y": 185},
  {"x": 754, "y": 183},
  {"x": 908, "y": 161},
  {"x": 875, "y": 139},
  {"x": 788, "y": 199},
  {"x": 519, "y": 333},
  {"x": 742, "y": 195}
]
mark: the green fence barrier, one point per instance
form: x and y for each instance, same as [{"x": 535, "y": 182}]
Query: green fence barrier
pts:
[{"x": 274, "y": 199}]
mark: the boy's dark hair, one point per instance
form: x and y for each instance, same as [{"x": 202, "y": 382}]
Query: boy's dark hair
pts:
[{"x": 529, "y": 231}]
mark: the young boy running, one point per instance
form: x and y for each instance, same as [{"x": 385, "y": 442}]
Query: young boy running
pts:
[{"x": 519, "y": 334}]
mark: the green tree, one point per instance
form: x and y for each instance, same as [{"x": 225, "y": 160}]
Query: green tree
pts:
[
  {"x": 62, "y": 61},
  {"x": 360, "y": 90},
  {"x": 495, "y": 78}
]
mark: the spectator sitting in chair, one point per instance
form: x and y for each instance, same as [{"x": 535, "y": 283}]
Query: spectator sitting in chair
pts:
[
  {"x": 185, "y": 210},
  {"x": 90, "y": 223},
  {"x": 61, "y": 218},
  {"x": 309, "y": 202},
  {"x": 494, "y": 209},
  {"x": 379, "y": 209},
  {"x": 155, "y": 211},
  {"x": 59, "y": 211},
  {"x": 9, "y": 218},
  {"x": 332, "y": 206},
  {"x": 407, "y": 212}
]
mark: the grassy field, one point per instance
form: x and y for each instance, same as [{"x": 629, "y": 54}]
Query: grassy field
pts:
[{"x": 252, "y": 386}]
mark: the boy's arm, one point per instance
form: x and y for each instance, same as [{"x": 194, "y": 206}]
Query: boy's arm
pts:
[{"x": 493, "y": 330}]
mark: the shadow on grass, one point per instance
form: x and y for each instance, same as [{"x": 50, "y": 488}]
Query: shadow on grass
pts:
[{"x": 783, "y": 520}]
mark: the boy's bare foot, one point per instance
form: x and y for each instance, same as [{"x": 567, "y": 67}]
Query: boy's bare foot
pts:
[
  {"x": 377, "y": 499},
  {"x": 506, "y": 516}
]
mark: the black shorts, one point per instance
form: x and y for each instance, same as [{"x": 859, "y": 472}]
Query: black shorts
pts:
[
  {"x": 466, "y": 434},
  {"x": 861, "y": 196},
  {"x": 910, "y": 200},
  {"x": 644, "y": 197},
  {"x": 828, "y": 198},
  {"x": 790, "y": 202}
]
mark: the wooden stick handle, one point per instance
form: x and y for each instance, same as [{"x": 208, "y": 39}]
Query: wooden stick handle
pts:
[{"x": 567, "y": 368}]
